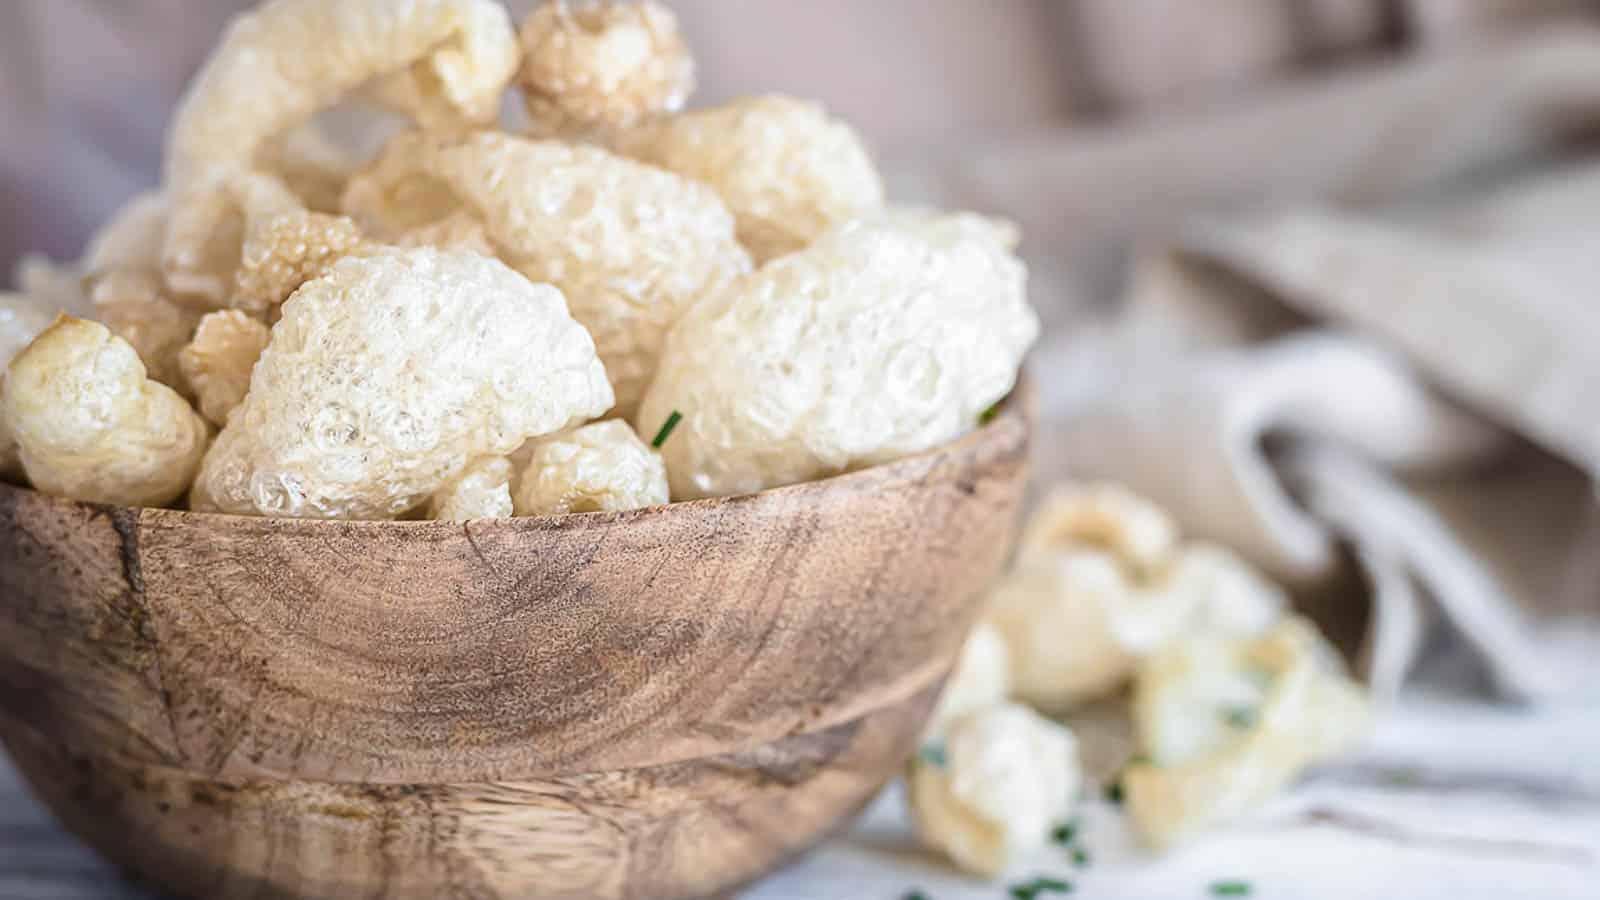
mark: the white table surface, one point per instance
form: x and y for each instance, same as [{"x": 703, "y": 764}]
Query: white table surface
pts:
[{"x": 1452, "y": 799}]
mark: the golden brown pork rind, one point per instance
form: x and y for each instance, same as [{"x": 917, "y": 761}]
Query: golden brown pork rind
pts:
[
  {"x": 787, "y": 170},
  {"x": 388, "y": 375},
  {"x": 631, "y": 246},
  {"x": 590, "y": 66},
  {"x": 89, "y": 424},
  {"x": 446, "y": 63}
]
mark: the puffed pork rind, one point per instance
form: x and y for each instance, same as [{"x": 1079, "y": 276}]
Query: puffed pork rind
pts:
[
  {"x": 218, "y": 362},
  {"x": 787, "y": 169},
  {"x": 89, "y": 424},
  {"x": 879, "y": 341},
  {"x": 602, "y": 65},
  {"x": 446, "y": 63},
  {"x": 603, "y": 467},
  {"x": 631, "y": 246},
  {"x": 1225, "y": 724},
  {"x": 388, "y": 375},
  {"x": 992, "y": 787},
  {"x": 482, "y": 491},
  {"x": 22, "y": 318},
  {"x": 981, "y": 678}
]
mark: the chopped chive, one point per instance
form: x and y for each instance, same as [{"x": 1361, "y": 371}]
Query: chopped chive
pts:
[
  {"x": 1240, "y": 716},
  {"x": 989, "y": 414},
  {"x": 1080, "y": 857},
  {"x": 915, "y": 895},
  {"x": 932, "y": 754},
  {"x": 666, "y": 429},
  {"x": 1030, "y": 890},
  {"x": 1065, "y": 834},
  {"x": 1114, "y": 793},
  {"x": 1230, "y": 888}
]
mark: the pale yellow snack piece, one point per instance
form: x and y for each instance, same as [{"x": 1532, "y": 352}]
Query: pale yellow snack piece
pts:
[
  {"x": 91, "y": 426},
  {"x": 218, "y": 362},
  {"x": 445, "y": 63},
  {"x": 22, "y": 318},
  {"x": 787, "y": 170},
  {"x": 992, "y": 789},
  {"x": 602, "y": 65},
  {"x": 631, "y": 246},
  {"x": 131, "y": 239},
  {"x": 981, "y": 679},
  {"x": 390, "y": 373},
  {"x": 284, "y": 250},
  {"x": 1225, "y": 724},
  {"x": 1101, "y": 581},
  {"x": 459, "y": 231},
  {"x": 311, "y": 165},
  {"x": 483, "y": 491},
  {"x": 879, "y": 341},
  {"x": 134, "y": 304},
  {"x": 603, "y": 467}
]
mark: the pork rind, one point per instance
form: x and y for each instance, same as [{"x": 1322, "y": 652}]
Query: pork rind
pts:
[
  {"x": 603, "y": 467},
  {"x": 991, "y": 790},
  {"x": 218, "y": 362},
  {"x": 131, "y": 239},
  {"x": 1101, "y": 581},
  {"x": 483, "y": 491},
  {"x": 443, "y": 62},
  {"x": 134, "y": 304},
  {"x": 388, "y": 375},
  {"x": 283, "y": 250},
  {"x": 981, "y": 679},
  {"x": 311, "y": 165},
  {"x": 879, "y": 341},
  {"x": 602, "y": 65},
  {"x": 787, "y": 170},
  {"x": 89, "y": 424},
  {"x": 1225, "y": 724},
  {"x": 21, "y": 320},
  {"x": 52, "y": 285},
  {"x": 629, "y": 245}
]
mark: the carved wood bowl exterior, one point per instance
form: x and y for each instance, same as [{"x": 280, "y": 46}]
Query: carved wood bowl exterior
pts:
[{"x": 657, "y": 704}]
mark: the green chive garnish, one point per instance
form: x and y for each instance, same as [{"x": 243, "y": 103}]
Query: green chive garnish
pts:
[
  {"x": 1114, "y": 793},
  {"x": 1240, "y": 716},
  {"x": 666, "y": 429},
  {"x": 989, "y": 414},
  {"x": 1080, "y": 857},
  {"x": 932, "y": 754},
  {"x": 1030, "y": 890},
  {"x": 1230, "y": 888},
  {"x": 1065, "y": 834},
  {"x": 916, "y": 895}
]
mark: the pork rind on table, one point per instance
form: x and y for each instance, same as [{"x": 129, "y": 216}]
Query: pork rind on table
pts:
[
  {"x": 1226, "y": 723},
  {"x": 445, "y": 63},
  {"x": 604, "y": 65},
  {"x": 990, "y": 789},
  {"x": 603, "y": 467},
  {"x": 90, "y": 425},
  {"x": 1101, "y": 581},
  {"x": 631, "y": 246},
  {"x": 482, "y": 491},
  {"x": 388, "y": 375},
  {"x": 880, "y": 340},
  {"x": 981, "y": 678},
  {"x": 787, "y": 169}
]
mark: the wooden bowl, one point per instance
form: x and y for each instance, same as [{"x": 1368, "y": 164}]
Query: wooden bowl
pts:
[{"x": 664, "y": 703}]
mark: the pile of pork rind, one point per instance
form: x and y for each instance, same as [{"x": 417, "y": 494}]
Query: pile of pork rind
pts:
[{"x": 622, "y": 304}]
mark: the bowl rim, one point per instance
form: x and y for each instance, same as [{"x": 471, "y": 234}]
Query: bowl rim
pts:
[{"x": 1015, "y": 409}]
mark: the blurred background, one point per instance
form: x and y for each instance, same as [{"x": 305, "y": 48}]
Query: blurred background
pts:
[{"x": 1318, "y": 276}]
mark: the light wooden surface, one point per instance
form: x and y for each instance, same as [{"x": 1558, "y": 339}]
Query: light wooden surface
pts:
[{"x": 1452, "y": 801}]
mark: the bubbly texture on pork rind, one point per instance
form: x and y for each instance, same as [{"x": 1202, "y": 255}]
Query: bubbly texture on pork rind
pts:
[
  {"x": 443, "y": 62},
  {"x": 879, "y": 341},
  {"x": 218, "y": 362},
  {"x": 786, "y": 168},
  {"x": 1226, "y": 723},
  {"x": 483, "y": 491},
  {"x": 388, "y": 375},
  {"x": 631, "y": 246},
  {"x": 588, "y": 65},
  {"x": 89, "y": 424},
  {"x": 603, "y": 467},
  {"x": 1002, "y": 777}
]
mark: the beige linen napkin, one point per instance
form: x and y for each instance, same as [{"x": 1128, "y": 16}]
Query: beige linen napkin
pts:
[{"x": 1275, "y": 388}]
